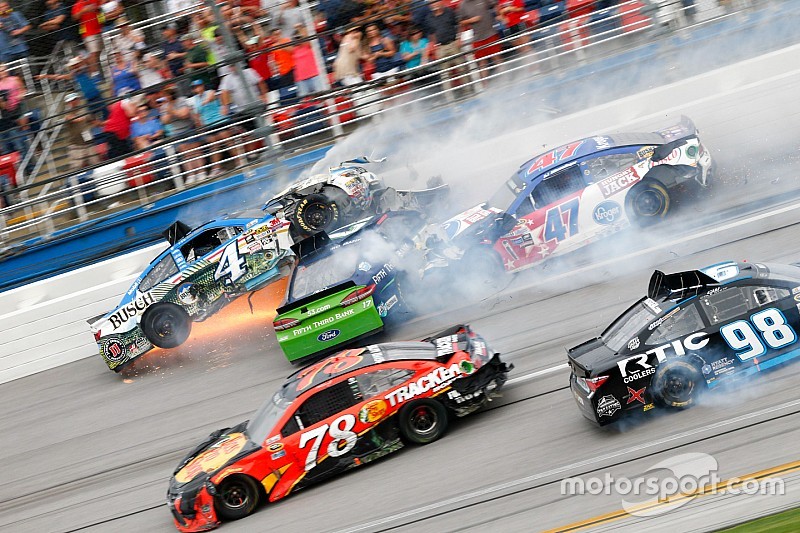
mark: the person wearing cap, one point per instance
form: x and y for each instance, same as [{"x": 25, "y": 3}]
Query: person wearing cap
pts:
[
  {"x": 173, "y": 49},
  {"x": 208, "y": 112},
  {"x": 150, "y": 71},
  {"x": 129, "y": 40},
  {"x": 87, "y": 82},
  {"x": 80, "y": 142},
  {"x": 89, "y": 15},
  {"x": 197, "y": 61},
  {"x": 117, "y": 128}
]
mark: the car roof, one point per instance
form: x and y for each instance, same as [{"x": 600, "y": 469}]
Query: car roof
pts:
[
  {"x": 354, "y": 359},
  {"x": 581, "y": 148}
]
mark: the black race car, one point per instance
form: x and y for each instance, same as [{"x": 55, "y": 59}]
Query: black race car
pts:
[{"x": 693, "y": 331}]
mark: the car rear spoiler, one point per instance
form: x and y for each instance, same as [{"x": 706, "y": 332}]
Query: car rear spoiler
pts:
[
  {"x": 310, "y": 244},
  {"x": 304, "y": 301},
  {"x": 177, "y": 231},
  {"x": 680, "y": 285},
  {"x": 684, "y": 128}
]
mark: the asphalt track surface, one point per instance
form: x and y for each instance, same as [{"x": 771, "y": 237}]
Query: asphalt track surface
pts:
[{"x": 85, "y": 450}]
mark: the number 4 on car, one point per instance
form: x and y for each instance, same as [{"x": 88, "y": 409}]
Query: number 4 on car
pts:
[{"x": 344, "y": 411}]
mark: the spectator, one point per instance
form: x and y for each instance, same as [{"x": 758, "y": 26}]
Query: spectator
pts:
[
  {"x": 87, "y": 82},
  {"x": 256, "y": 49},
  {"x": 232, "y": 92},
  {"x": 118, "y": 126},
  {"x": 339, "y": 13},
  {"x": 281, "y": 64},
  {"x": 12, "y": 91},
  {"x": 80, "y": 141},
  {"x": 346, "y": 66},
  {"x": 147, "y": 129},
  {"x": 509, "y": 13},
  {"x": 216, "y": 47},
  {"x": 289, "y": 16},
  {"x": 13, "y": 26},
  {"x": 414, "y": 50},
  {"x": 124, "y": 75},
  {"x": 208, "y": 112},
  {"x": 443, "y": 28},
  {"x": 111, "y": 11},
  {"x": 129, "y": 41},
  {"x": 173, "y": 50},
  {"x": 54, "y": 22},
  {"x": 176, "y": 116},
  {"x": 197, "y": 61},
  {"x": 151, "y": 71},
  {"x": 478, "y": 16},
  {"x": 88, "y": 14},
  {"x": 381, "y": 53},
  {"x": 306, "y": 73}
]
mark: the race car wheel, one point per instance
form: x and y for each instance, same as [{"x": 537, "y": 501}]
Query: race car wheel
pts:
[
  {"x": 648, "y": 202},
  {"x": 236, "y": 497},
  {"x": 482, "y": 270},
  {"x": 166, "y": 325},
  {"x": 677, "y": 383},
  {"x": 423, "y": 421},
  {"x": 317, "y": 212}
]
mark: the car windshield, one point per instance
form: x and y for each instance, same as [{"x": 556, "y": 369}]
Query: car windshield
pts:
[
  {"x": 626, "y": 326},
  {"x": 266, "y": 417},
  {"x": 326, "y": 272},
  {"x": 507, "y": 193}
]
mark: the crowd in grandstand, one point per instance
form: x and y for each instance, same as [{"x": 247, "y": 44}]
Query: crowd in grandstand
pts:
[{"x": 131, "y": 88}]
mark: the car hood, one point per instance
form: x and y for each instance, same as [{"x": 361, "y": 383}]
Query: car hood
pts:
[
  {"x": 316, "y": 179},
  {"x": 458, "y": 224},
  {"x": 219, "y": 450}
]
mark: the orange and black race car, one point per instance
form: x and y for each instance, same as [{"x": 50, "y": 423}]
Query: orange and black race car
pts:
[{"x": 341, "y": 412}]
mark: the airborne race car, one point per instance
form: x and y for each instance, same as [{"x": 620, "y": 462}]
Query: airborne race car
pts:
[
  {"x": 198, "y": 274},
  {"x": 344, "y": 411},
  {"x": 694, "y": 331},
  {"x": 324, "y": 202},
  {"x": 578, "y": 193}
]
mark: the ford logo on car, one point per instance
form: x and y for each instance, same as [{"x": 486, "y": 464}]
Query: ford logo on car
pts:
[
  {"x": 328, "y": 335},
  {"x": 607, "y": 212}
]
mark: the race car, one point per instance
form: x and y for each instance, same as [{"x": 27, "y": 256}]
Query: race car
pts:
[
  {"x": 693, "y": 331},
  {"x": 340, "y": 413},
  {"x": 200, "y": 272},
  {"x": 578, "y": 193},
  {"x": 346, "y": 286},
  {"x": 348, "y": 192}
]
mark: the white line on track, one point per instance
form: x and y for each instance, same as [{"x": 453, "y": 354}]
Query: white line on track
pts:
[
  {"x": 533, "y": 375},
  {"x": 516, "y": 484}
]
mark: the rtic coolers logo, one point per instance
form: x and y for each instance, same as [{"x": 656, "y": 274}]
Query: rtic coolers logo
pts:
[
  {"x": 607, "y": 212},
  {"x": 329, "y": 335},
  {"x": 124, "y": 313}
]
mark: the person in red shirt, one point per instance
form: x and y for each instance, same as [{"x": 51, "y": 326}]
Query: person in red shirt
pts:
[
  {"x": 90, "y": 17},
  {"x": 118, "y": 125},
  {"x": 510, "y": 13}
]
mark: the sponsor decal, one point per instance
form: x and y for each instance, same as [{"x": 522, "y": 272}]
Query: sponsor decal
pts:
[
  {"x": 796, "y": 290},
  {"x": 636, "y": 395},
  {"x": 722, "y": 366},
  {"x": 376, "y": 353},
  {"x": 275, "y": 447},
  {"x": 383, "y": 307},
  {"x": 213, "y": 458},
  {"x": 382, "y": 273},
  {"x": 278, "y": 455},
  {"x": 648, "y": 407},
  {"x": 364, "y": 266},
  {"x": 706, "y": 370},
  {"x": 633, "y": 343},
  {"x": 645, "y": 153},
  {"x": 434, "y": 381},
  {"x": 661, "y": 320},
  {"x": 446, "y": 345},
  {"x": 797, "y": 297},
  {"x": 254, "y": 247},
  {"x": 578, "y": 398},
  {"x": 652, "y": 305},
  {"x": 328, "y": 335},
  {"x": 274, "y": 438},
  {"x": 372, "y": 411},
  {"x": 459, "y": 398},
  {"x": 115, "y": 352},
  {"x": 607, "y": 212},
  {"x": 132, "y": 309},
  {"x": 618, "y": 182},
  {"x": 602, "y": 142},
  {"x": 607, "y": 406},
  {"x": 317, "y": 310},
  {"x": 186, "y": 293},
  {"x": 636, "y": 367}
]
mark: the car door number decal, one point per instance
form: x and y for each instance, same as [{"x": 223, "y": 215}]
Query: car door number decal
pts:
[
  {"x": 554, "y": 227},
  {"x": 340, "y": 430},
  {"x": 231, "y": 263},
  {"x": 746, "y": 341}
]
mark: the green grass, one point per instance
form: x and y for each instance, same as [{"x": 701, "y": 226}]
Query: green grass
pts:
[{"x": 785, "y": 522}]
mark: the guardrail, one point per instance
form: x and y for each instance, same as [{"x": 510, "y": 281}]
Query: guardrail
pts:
[{"x": 44, "y": 207}]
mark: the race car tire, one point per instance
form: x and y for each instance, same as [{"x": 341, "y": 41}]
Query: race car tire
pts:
[
  {"x": 677, "y": 383},
  {"x": 422, "y": 421},
  {"x": 317, "y": 212},
  {"x": 166, "y": 325},
  {"x": 648, "y": 202},
  {"x": 482, "y": 269},
  {"x": 236, "y": 497}
]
